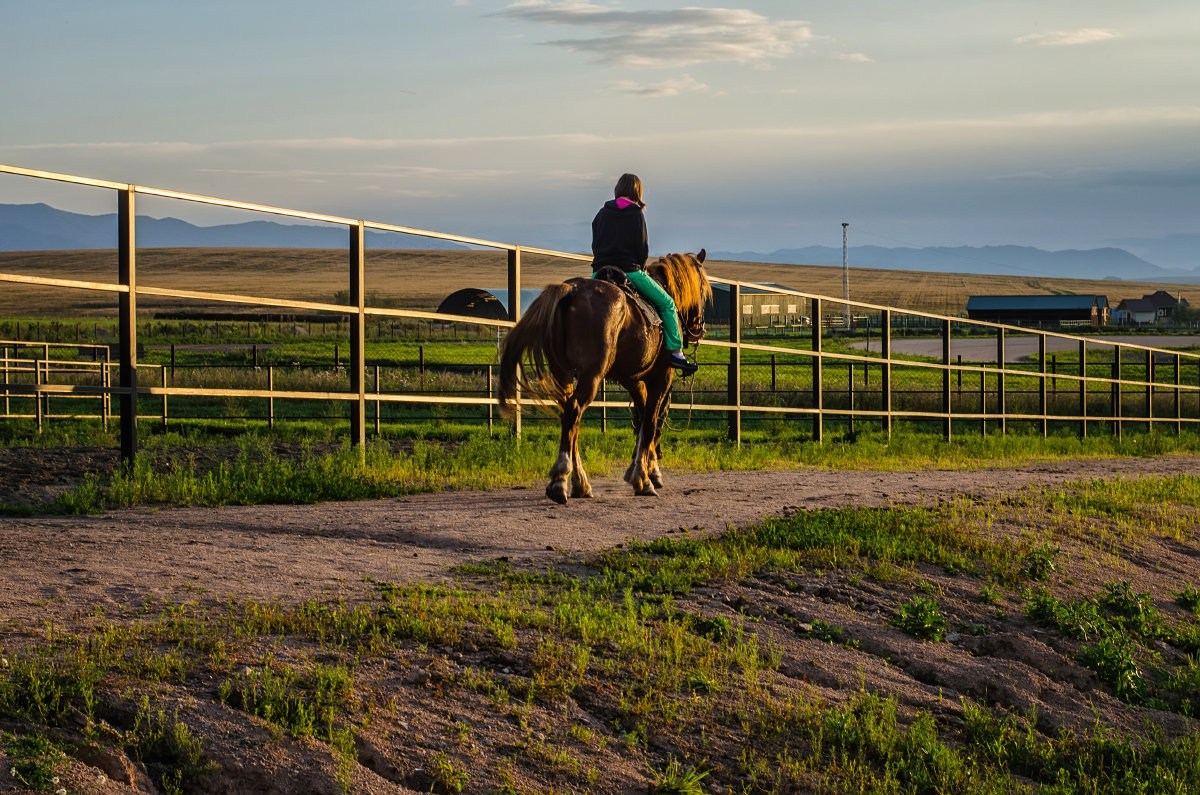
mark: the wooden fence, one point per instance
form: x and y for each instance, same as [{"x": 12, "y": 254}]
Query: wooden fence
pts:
[{"x": 1135, "y": 380}]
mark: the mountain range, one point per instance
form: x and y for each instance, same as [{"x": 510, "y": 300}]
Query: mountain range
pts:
[
  {"x": 39, "y": 227},
  {"x": 1097, "y": 263}
]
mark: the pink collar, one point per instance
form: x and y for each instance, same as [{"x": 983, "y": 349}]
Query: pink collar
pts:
[{"x": 622, "y": 203}]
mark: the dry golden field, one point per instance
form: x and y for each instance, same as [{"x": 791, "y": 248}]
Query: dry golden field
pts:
[{"x": 419, "y": 279}]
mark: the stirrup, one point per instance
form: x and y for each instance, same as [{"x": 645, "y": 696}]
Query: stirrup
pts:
[{"x": 683, "y": 364}]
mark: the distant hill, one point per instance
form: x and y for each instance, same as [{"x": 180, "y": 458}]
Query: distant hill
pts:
[
  {"x": 40, "y": 227},
  {"x": 1172, "y": 251},
  {"x": 1100, "y": 263}
]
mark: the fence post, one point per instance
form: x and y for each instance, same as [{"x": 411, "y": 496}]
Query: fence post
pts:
[
  {"x": 885, "y": 380},
  {"x": 105, "y": 385},
  {"x": 7, "y": 408},
  {"x": 947, "y": 424},
  {"x": 850, "y": 392},
  {"x": 1179, "y": 410},
  {"x": 1149, "y": 391},
  {"x": 603, "y": 409},
  {"x": 358, "y": 341},
  {"x": 164, "y": 397},
  {"x": 1042, "y": 386},
  {"x": 733, "y": 382},
  {"x": 1118, "y": 430},
  {"x": 514, "y": 314},
  {"x": 1083, "y": 388},
  {"x": 491, "y": 398},
  {"x": 37, "y": 394},
  {"x": 818, "y": 374},
  {"x": 271, "y": 399},
  {"x": 1002, "y": 403},
  {"x": 1178, "y": 406},
  {"x": 378, "y": 404},
  {"x": 982, "y": 398},
  {"x": 127, "y": 312}
]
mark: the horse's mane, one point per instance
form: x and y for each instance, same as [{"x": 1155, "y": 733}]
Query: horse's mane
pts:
[{"x": 686, "y": 282}]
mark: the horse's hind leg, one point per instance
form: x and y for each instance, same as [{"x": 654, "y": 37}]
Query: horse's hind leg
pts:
[
  {"x": 585, "y": 393},
  {"x": 556, "y": 489},
  {"x": 569, "y": 465}
]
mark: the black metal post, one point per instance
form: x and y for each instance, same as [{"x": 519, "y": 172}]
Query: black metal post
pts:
[{"x": 127, "y": 312}]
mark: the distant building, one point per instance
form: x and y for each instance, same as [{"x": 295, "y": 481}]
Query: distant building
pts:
[
  {"x": 1135, "y": 312},
  {"x": 485, "y": 302},
  {"x": 760, "y": 308},
  {"x": 1164, "y": 303},
  {"x": 1157, "y": 307},
  {"x": 1040, "y": 311}
]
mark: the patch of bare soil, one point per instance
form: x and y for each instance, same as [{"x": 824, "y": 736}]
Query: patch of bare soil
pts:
[{"x": 125, "y": 566}]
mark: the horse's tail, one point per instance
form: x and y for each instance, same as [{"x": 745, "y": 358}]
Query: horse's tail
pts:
[{"x": 528, "y": 357}]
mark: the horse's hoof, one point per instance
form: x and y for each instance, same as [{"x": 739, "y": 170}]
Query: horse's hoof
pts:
[
  {"x": 629, "y": 474},
  {"x": 656, "y": 478},
  {"x": 557, "y": 491},
  {"x": 648, "y": 491},
  {"x": 581, "y": 494}
]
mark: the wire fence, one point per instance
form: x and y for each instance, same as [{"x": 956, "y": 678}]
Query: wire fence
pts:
[{"x": 372, "y": 366}]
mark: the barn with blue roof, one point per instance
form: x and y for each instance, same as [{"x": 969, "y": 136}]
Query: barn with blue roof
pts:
[{"x": 1040, "y": 311}]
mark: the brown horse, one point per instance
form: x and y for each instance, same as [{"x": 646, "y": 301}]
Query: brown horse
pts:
[{"x": 579, "y": 332}]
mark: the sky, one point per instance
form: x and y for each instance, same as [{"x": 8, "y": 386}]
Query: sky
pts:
[{"x": 754, "y": 125}]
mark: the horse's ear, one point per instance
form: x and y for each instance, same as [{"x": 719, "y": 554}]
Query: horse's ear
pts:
[{"x": 700, "y": 256}]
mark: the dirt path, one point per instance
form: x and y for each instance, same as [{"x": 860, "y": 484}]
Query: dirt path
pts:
[{"x": 64, "y": 566}]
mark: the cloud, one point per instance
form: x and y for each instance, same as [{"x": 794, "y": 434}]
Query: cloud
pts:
[
  {"x": 1069, "y": 38},
  {"x": 852, "y": 57},
  {"x": 667, "y": 88},
  {"x": 666, "y": 38}
]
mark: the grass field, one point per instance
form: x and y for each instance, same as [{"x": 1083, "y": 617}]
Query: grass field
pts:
[{"x": 421, "y": 279}]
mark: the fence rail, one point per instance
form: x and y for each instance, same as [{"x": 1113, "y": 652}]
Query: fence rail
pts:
[{"x": 823, "y": 381}]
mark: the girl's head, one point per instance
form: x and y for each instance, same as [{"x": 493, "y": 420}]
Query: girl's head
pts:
[{"x": 629, "y": 187}]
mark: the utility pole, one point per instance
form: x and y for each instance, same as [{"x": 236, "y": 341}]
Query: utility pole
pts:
[{"x": 845, "y": 277}]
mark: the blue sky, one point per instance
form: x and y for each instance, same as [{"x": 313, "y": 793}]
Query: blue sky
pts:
[{"x": 755, "y": 125}]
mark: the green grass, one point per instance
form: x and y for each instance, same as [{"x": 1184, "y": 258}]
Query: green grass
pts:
[
  {"x": 618, "y": 631},
  {"x": 249, "y": 467}
]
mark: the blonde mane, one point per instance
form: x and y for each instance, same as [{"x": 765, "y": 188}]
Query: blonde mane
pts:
[{"x": 684, "y": 278}]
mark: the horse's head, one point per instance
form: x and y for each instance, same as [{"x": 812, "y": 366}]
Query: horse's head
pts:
[{"x": 683, "y": 277}]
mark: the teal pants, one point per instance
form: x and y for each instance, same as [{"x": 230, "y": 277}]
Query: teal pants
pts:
[{"x": 661, "y": 300}]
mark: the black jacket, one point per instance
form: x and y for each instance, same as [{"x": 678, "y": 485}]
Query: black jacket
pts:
[{"x": 619, "y": 238}]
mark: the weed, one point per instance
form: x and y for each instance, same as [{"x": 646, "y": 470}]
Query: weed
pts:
[
  {"x": 989, "y": 594},
  {"x": 35, "y": 759},
  {"x": 1188, "y": 598},
  {"x": 674, "y": 779},
  {"x": 170, "y": 750},
  {"x": 920, "y": 618},
  {"x": 447, "y": 777},
  {"x": 1112, "y": 660},
  {"x": 1038, "y": 563}
]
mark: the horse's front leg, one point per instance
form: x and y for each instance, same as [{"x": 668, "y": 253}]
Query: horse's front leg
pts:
[
  {"x": 644, "y": 459},
  {"x": 637, "y": 394},
  {"x": 654, "y": 452}
]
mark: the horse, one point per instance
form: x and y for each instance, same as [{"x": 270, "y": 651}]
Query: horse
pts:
[{"x": 577, "y": 333}]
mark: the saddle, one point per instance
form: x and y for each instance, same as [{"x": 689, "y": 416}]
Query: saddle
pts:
[{"x": 617, "y": 277}]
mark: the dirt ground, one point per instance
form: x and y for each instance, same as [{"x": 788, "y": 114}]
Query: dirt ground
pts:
[
  {"x": 64, "y": 568},
  {"x": 58, "y": 563}
]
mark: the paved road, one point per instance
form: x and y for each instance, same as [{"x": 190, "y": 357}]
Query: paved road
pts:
[{"x": 1017, "y": 348}]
